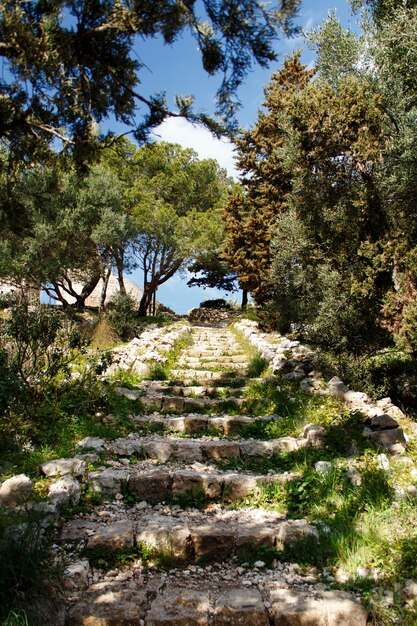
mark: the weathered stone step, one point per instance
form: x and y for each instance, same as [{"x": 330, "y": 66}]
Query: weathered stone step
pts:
[
  {"x": 213, "y": 535},
  {"x": 218, "y": 538},
  {"x": 165, "y": 483},
  {"x": 211, "y": 351},
  {"x": 165, "y": 449},
  {"x": 208, "y": 599},
  {"x": 230, "y": 382},
  {"x": 204, "y": 374},
  {"x": 185, "y": 404},
  {"x": 214, "y": 365},
  {"x": 191, "y": 391},
  {"x": 213, "y": 358},
  {"x": 228, "y": 424}
]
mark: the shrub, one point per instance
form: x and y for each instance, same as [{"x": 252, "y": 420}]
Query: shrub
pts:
[
  {"x": 123, "y": 315},
  {"x": 103, "y": 334},
  {"x": 218, "y": 303},
  {"x": 37, "y": 345},
  {"x": 27, "y": 572}
]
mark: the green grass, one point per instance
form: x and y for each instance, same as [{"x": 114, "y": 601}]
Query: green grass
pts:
[
  {"x": 75, "y": 417},
  {"x": 148, "y": 555},
  {"x": 126, "y": 378},
  {"x": 16, "y": 618},
  {"x": 257, "y": 366}
]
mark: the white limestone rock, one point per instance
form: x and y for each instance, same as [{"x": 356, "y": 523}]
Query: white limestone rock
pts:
[
  {"x": 15, "y": 490},
  {"x": 65, "y": 491}
]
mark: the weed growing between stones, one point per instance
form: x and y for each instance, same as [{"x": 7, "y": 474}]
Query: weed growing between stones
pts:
[
  {"x": 159, "y": 371},
  {"x": 269, "y": 497},
  {"x": 195, "y": 498},
  {"x": 104, "y": 558},
  {"x": 284, "y": 399},
  {"x": 257, "y": 366},
  {"x": 126, "y": 378},
  {"x": 16, "y": 618},
  {"x": 172, "y": 356}
]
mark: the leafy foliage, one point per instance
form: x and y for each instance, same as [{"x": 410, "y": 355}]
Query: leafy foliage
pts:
[
  {"x": 71, "y": 64},
  {"x": 174, "y": 199},
  {"x": 324, "y": 230},
  {"x": 251, "y": 211},
  {"x": 122, "y": 315},
  {"x": 37, "y": 346},
  {"x": 27, "y": 572}
]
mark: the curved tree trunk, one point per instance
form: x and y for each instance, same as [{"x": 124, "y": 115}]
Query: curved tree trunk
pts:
[
  {"x": 87, "y": 290},
  {"x": 146, "y": 300},
  {"x": 106, "y": 278},
  {"x": 244, "y": 298},
  {"x": 120, "y": 278}
]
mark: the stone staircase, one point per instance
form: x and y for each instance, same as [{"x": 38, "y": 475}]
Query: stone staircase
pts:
[{"x": 193, "y": 553}]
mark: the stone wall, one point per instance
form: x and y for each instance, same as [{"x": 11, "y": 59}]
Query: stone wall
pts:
[
  {"x": 147, "y": 349},
  {"x": 293, "y": 361}
]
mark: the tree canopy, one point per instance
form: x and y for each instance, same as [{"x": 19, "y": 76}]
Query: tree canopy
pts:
[
  {"x": 324, "y": 228},
  {"x": 175, "y": 200},
  {"x": 70, "y": 64}
]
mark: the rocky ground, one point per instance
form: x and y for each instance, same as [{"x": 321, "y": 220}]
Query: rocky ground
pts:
[{"x": 165, "y": 538}]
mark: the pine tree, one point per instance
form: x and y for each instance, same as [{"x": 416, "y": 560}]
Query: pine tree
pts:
[{"x": 250, "y": 215}]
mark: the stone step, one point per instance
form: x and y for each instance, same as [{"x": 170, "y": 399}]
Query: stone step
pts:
[
  {"x": 213, "y": 365},
  {"x": 213, "y": 358},
  {"x": 210, "y": 598},
  {"x": 184, "y": 404},
  {"x": 215, "y": 342},
  {"x": 166, "y": 449},
  {"x": 204, "y": 374},
  {"x": 229, "y": 425},
  {"x": 153, "y": 485},
  {"x": 230, "y": 382},
  {"x": 212, "y": 535},
  {"x": 209, "y": 352},
  {"x": 191, "y": 391}
]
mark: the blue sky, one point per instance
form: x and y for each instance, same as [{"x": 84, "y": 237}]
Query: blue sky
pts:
[{"x": 177, "y": 69}]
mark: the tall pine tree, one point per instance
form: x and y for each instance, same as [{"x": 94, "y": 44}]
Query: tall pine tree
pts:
[{"x": 250, "y": 215}]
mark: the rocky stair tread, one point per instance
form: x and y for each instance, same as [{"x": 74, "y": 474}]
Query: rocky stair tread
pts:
[
  {"x": 195, "y": 423},
  {"x": 192, "y": 535},
  {"x": 212, "y": 358},
  {"x": 179, "y": 403},
  {"x": 144, "y": 482},
  {"x": 230, "y": 382},
  {"x": 190, "y": 374},
  {"x": 215, "y": 365},
  {"x": 165, "y": 448},
  {"x": 192, "y": 391},
  {"x": 209, "y": 600},
  {"x": 214, "y": 352}
]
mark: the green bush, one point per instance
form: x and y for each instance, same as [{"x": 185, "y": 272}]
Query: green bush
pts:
[
  {"x": 123, "y": 315},
  {"x": 388, "y": 372},
  {"x": 36, "y": 346},
  {"x": 27, "y": 571},
  {"x": 217, "y": 303}
]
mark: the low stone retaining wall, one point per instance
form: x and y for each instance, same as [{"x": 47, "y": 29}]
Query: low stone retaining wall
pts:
[
  {"x": 293, "y": 361},
  {"x": 147, "y": 349},
  {"x": 202, "y": 315}
]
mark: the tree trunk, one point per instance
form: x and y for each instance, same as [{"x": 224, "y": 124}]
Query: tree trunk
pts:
[
  {"x": 58, "y": 297},
  {"x": 119, "y": 266},
  {"x": 106, "y": 278},
  {"x": 87, "y": 290},
  {"x": 145, "y": 300},
  {"x": 244, "y": 298}
]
